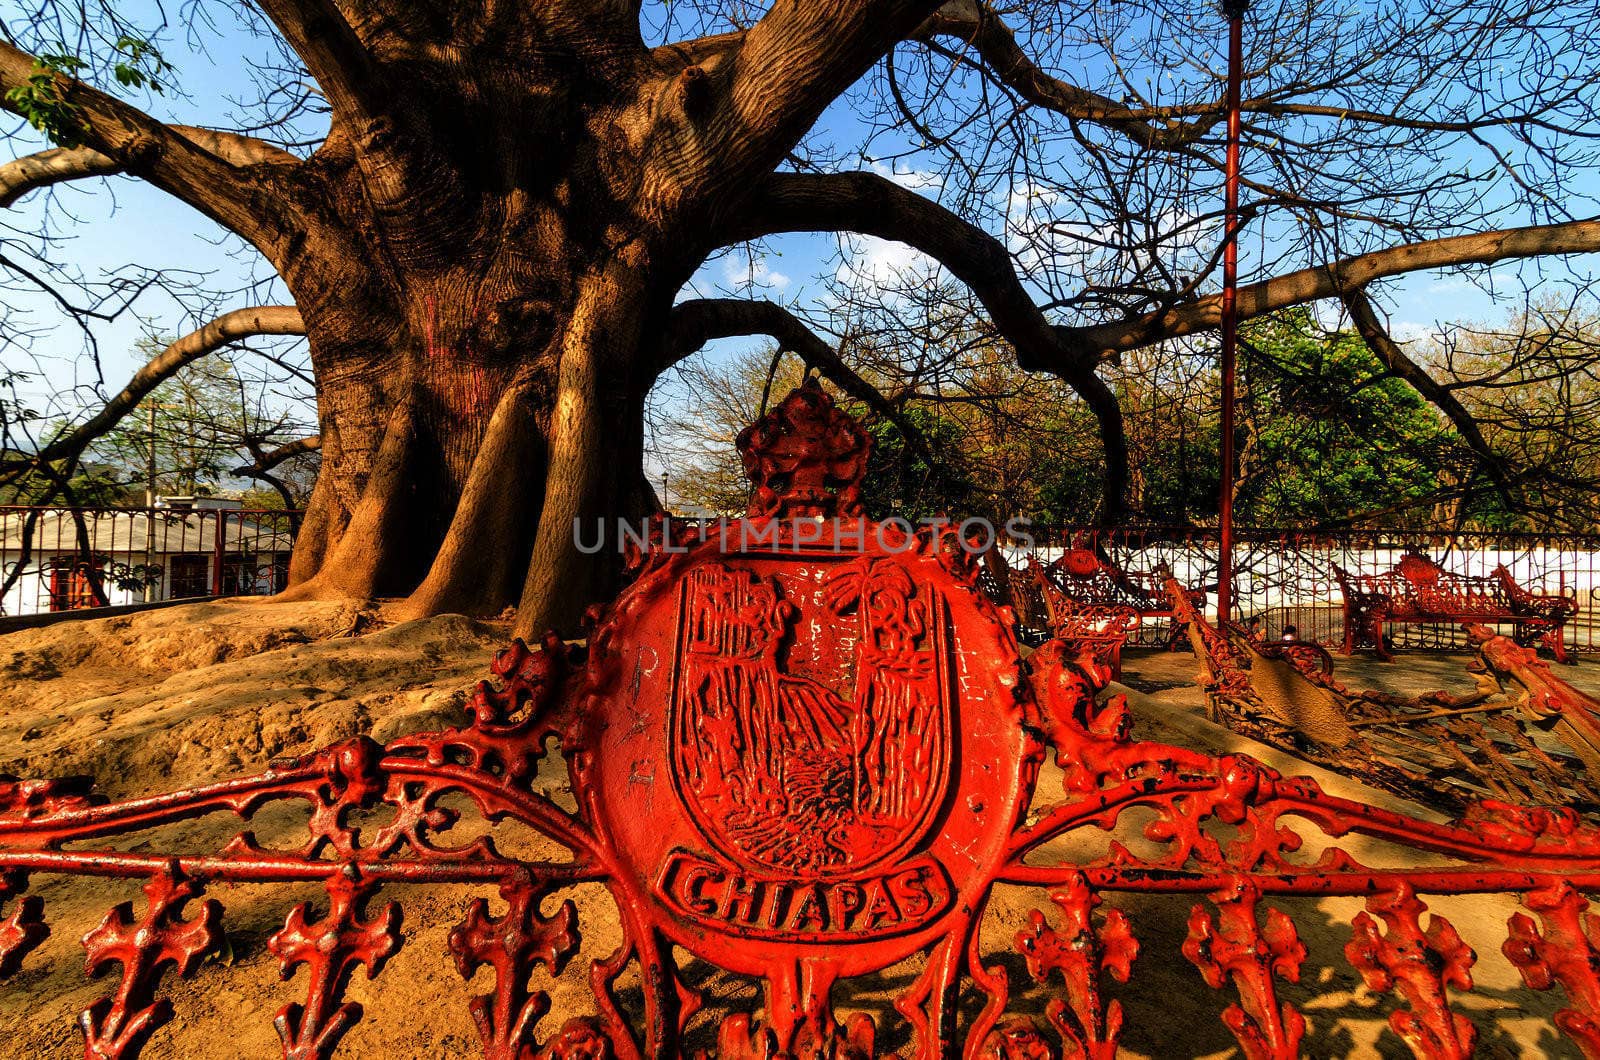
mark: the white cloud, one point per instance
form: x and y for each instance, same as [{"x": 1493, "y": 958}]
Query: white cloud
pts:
[
  {"x": 869, "y": 260},
  {"x": 742, "y": 271}
]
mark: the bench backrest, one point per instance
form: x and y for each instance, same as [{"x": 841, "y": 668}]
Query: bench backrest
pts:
[
  {"x": 1086, "y": 576},
  {"x": 803, "y": 764},
  {"x": 1417, "y": 580}
]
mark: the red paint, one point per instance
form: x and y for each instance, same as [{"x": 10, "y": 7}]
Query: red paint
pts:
[
  {"x": 1235, "y": 10},
  {"x": 1418, "y": 589}
]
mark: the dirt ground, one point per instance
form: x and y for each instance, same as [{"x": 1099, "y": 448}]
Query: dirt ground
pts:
[{"x": 169, "y": 698}]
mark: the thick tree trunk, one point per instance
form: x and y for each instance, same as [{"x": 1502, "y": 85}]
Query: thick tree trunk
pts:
[
  {"x": 480, "y": 563},
  {"x": 485, "y": 255},
  {"x": 453, "y": 474},
  {"x": 594, "y": 445}
]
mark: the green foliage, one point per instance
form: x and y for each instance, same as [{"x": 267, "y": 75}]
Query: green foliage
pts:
[
  {"x": 1327, "y": 435},
  {"x": 42, "y": 99},
  {"x": 900, "y": 480},
  {"x": 187, "y": 429},
  {"x": 186, "y": 438},
  {"x": 260, "y": 498},
  {"x": 1183, "y": 476},
  {"x": 143, "y": 66}
]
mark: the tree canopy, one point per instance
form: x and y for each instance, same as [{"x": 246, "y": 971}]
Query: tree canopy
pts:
[{"x": 489, "y": 218}]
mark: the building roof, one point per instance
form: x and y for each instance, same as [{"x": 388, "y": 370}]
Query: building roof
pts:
[{"x": 167, "y": 531}]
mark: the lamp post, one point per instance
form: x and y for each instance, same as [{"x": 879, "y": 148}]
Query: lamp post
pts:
[{"x": 1234, "y": 10}]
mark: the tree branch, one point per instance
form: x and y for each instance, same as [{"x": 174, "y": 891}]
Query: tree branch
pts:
[
  {"x": 1388, "y": 351},
  {"x": 754, "y": 98},
  {"x": 140, "y": 145},
  {"x": 696, "y": 322},
  {"x": 22, "y": 175},
  {"x": 333, "y": 54},
  {"x": 230, "y": 327},
  {"x": 31, "y": 172},
  {"x": 685, "y": 53},
  {"x": 265, "y": 462},
  {"x": 1332, "y": 281},
  {"x": 404, "y": 172},
  {"x": 977, "y": 25},
  {"x": 875, "y": 205},
  {"x": 868, "y": 203}
]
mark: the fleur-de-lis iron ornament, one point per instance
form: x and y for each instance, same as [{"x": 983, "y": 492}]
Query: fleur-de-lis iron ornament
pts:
[{"x": 801, "y": 746}]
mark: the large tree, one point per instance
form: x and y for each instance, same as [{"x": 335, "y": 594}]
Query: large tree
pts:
[{"x": 487, "y": 246}]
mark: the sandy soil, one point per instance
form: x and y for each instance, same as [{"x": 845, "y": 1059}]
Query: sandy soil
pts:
[{"x": 168, "y": 698}]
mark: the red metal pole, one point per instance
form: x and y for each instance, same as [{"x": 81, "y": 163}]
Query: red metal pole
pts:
[
  {"x": 1235, "y": 10},
  {"x": 218, "y": 551}
]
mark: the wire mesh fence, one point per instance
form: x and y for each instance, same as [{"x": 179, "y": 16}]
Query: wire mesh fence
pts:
[{"x": 67, "y": 559}]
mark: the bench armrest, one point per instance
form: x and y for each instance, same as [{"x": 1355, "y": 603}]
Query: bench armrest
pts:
[{"x": 1552, "y": 604}]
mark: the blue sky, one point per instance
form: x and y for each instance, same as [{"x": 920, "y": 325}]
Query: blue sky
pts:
[{"x": 118, "y": 221}]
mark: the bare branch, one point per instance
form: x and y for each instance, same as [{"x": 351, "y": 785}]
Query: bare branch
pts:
[
  {"x": 874, "y": 205},
  {"x": 1332, "y": 281},
  {"x": 752, "y": 103},
  {"x": 696, "y": 322},
  {"x": 31, "y": 172},
  {"x": 1378, "y": 340},
  {"x": 226, "y": 192},
  {"x": 332, "y": 52},
  {"x": 265, "y": 462},
  {"x": 228, "y": 328},
  {"x": 979, "y": 26},
  {"x": 22, "y": 175},
  {"x": 1160, "y": 127}
]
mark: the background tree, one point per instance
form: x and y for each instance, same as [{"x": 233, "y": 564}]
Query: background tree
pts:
[
  {"x": 205, "y": 430},
  {"x": 1529, "y": 386},
  {"x": 485, "y": 214},
  {"x": 208, "y": 430},
  {"x": 1329, "y": 437}
]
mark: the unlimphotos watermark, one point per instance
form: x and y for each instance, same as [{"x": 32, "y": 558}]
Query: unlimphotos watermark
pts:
[{"x": 975, "y": 534}]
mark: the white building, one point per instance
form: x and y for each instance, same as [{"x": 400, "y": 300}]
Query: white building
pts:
[{"x": 185, "y": 547}]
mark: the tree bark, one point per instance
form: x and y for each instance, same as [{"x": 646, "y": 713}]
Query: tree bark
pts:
[
  {"x": 457, "y": 454},
  {"x": 595, "y": 439}
]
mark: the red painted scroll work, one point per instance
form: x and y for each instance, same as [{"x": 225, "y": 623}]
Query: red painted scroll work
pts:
[{"x": 802, "y": 747}]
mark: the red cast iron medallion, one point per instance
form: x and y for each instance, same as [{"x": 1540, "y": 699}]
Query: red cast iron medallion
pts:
[{"x": 814, "y": 749}]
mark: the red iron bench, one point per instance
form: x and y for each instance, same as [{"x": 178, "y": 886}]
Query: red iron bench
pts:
[
  {"x": 1084, "y": 576},
  {"x": 800, "y": 748},
  {"x": 1419, "y": 590},
  {"x": 1093, "y": 632},
  {"x": 1522, "y": 736}
]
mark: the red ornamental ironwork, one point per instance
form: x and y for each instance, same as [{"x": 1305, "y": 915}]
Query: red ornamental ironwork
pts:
[{"x": 803, "y": 746}]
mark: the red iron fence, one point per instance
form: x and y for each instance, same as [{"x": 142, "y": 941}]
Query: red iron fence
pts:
[
  {"x": 63, "y": 559},
  {"x": 1286, "y": 577}
]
